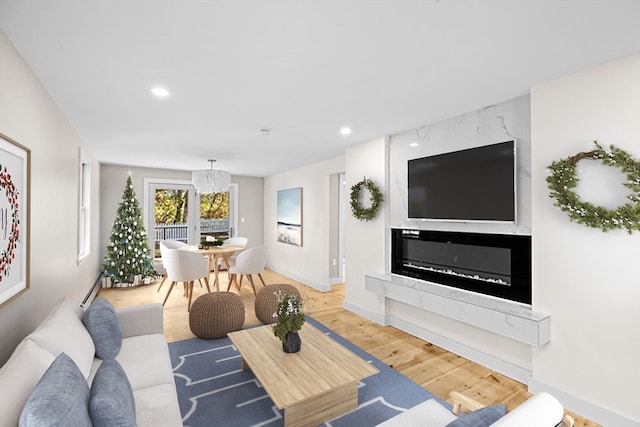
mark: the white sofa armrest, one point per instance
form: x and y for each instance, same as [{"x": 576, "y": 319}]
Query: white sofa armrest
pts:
[
  {"x": 140, "y": 320},
  {"x": 541, "y": 409}
]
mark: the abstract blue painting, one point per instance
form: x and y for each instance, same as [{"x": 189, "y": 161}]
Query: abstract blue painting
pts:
[{"x": 290, "y": 216}]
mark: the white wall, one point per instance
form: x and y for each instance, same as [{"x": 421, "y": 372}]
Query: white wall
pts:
[
  {"x": 308, "y": 263},
  {"x": 587, "y": 279},
  {"x": 367, "y": 242},
  {"x": 31, "y": 117}
]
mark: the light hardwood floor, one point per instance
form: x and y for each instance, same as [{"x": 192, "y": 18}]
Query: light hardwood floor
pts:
[{"x": 434, "y": 368}]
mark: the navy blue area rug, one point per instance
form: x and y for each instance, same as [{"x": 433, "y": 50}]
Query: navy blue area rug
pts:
[{"x": 213, "y": 390}]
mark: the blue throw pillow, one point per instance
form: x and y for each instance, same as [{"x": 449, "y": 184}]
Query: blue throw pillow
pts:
[
  {"x": 111, "y": 402},
  {"x": 101, "y": 321},
  {"x": 482, "y": 417},
  {"x": 61, "y": 397}
]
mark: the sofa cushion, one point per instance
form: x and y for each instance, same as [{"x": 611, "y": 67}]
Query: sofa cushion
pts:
[
  {"x": 18, "y": 378},
  {"x": 140, "y": 319},
  {"x": 111, "y": 401},
  {"x": 63, "y": 331},
  {"x": 482, "y": 417},
  {"x": 145, "y": 360},
  {"x": 101, "y": 321},
  {"x": 158, "y": 406},
  {"x": 61, "y": 397}
]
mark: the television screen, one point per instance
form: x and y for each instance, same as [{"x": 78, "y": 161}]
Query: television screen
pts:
[{"x": 477, "y": 184}]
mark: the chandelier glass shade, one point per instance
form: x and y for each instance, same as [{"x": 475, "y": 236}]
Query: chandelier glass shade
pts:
[{"x": 211, "y": 180}]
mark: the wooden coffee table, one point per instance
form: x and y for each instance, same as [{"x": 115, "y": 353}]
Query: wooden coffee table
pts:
[{"x": 314, "y": 385}]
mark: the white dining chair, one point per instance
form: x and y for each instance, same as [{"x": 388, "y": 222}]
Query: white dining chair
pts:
[
  {"x": 186, "y": 267},
  {"x": 232, "y": 241},
  {"x": 250, "y": 261},
  {"x": 167, "y": 244}
]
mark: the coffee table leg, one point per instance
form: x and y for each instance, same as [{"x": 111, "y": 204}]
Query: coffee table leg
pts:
[
  {"x": 322, "y": 408},
  {"x": 245, "y": 366}
]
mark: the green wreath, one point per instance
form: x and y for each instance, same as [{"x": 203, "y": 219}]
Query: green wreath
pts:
[
  {"x": 376, "y": 198},
  {"x": 562, "y": 180}
]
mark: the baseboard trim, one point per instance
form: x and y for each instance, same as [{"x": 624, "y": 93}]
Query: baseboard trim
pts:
[
  {"x": 367, "y": 314},
  {"x": 504, "y": 367},
  {"x": 322, "y": 287},
  {"x": 586, "y": 409}
]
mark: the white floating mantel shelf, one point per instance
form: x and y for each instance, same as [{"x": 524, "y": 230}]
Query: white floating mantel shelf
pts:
[{"x": 510, "y": 319}]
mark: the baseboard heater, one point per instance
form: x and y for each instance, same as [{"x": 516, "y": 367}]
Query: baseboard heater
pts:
[{"x": 93, "y": 289}]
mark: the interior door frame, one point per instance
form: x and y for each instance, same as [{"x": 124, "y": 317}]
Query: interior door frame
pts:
[
  {"x": 150, "y": 185},
  {"x": 233, "y": 210}
]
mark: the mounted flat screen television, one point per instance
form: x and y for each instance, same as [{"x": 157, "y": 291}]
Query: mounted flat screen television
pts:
[{"x": 477, "y": 184}]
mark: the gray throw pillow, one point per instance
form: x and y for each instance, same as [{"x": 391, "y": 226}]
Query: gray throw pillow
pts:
[
  {"x": 101, "y": 321},
  {"x": 61, "y": 397},
  {"x": 111, "y": 402},
  {"x": 482, "y": 417}
]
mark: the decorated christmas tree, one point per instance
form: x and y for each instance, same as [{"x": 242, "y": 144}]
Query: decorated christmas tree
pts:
[{"x": 128, "y": 261}]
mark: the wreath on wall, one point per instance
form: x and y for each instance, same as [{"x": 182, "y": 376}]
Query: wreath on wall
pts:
[
  {"x": 562, "y": 180},
  {"x": 8, "y": 254},
  {"x": 359, "y": 212}
]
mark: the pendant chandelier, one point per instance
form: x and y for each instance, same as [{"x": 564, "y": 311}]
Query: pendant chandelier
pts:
[{"x": 211, "y": 180}]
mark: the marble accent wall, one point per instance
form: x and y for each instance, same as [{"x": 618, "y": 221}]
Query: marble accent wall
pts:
[{"x": 496, "y": 123}]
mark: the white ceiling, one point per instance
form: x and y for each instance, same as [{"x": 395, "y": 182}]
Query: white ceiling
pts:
[{"x": 303, "y": 69}]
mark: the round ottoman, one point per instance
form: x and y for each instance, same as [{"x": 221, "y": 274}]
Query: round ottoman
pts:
[
  {"x": 267, "y": 302},
  {"x": 215, "y": 314}
]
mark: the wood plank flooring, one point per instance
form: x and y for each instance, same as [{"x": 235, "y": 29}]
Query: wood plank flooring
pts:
[{"x": 434, "y": 368}]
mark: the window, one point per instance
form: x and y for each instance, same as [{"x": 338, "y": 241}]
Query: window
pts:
[{"x": 84, "y": 206}]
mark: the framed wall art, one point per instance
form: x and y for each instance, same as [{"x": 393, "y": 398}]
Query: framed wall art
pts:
[
  {"x": 15, "y": 170},
  {"x": 290, "y": 216}
]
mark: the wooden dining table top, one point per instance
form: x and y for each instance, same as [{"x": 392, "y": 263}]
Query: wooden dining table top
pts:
[{"x": 213, "y": 250}]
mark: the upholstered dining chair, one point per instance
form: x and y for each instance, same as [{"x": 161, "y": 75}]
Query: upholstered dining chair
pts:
[
  {"x": 187, "y": 267},
  {"x": 164, "y": 245},
  {"x": 250, "y": 261},
  {"x": 232, "y": 241}
]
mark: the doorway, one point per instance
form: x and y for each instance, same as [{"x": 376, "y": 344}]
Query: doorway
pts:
[
  {"x": 217, "y": 214},
  {"x": 174, "y": 210},
  {"x": 336, "y": 228}
]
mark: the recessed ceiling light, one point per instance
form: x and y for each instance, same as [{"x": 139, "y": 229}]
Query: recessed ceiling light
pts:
[
  {"x": 345, "y": 131},
  {"x": 160, "y": 92},
  {"x": 413, "y": 144}
]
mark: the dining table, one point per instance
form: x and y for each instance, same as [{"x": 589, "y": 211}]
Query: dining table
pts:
[{"x": 214, "y": 254}]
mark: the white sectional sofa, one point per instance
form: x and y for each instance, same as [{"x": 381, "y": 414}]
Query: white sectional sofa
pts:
[
  {"x": 541, "y": 410},
  {"x": 143, "y": 355}
]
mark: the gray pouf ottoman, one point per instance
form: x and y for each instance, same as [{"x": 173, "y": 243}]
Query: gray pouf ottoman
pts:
[
  {"x": 216, "y": 314},
  {"x": 267, "y": 302}
]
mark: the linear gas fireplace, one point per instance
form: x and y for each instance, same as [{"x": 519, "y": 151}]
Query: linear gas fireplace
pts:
[{"x": 491, "y": 264}]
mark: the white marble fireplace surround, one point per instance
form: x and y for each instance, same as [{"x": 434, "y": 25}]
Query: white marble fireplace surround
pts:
[
  {"x": 507, "y": 318},
  {"x": 490, "y": 334}
]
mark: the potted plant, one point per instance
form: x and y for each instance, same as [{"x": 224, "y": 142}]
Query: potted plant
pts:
[
  {"x": 290, "y": 318},
  {"x": 208, "y": 241}
]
